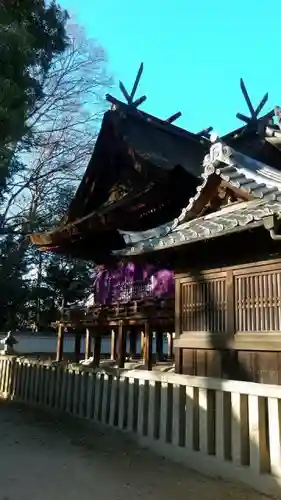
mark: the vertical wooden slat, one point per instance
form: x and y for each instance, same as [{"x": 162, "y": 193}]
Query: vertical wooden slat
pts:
[
  {"x": 113, "y": 401},
  {"x": 278, "y": 294},
  {"x": 98, "y": 392},
  {"x": 105, "y": 398},
  {"x": 19, "y": 381},
  {"x": 131, "y": 403},
  {"x": 254, "y": 432},
  {"x": 164, "y": 412},
  {"x": 275, "y": 303},
  {"x": 26, "y": 384},
  {"x": 32, "y": 381},
  {"x": 37, "y": 382},
  {"x": 142, "y": 417},
  {"x": 121, "y": 405},
  {"x": 76, "y": 392},
  {"x": 90, "y": 395},
  {"x": 274, "y": 423},
  {"x": 178, "y": 308},
  {"x": 176, "y": 412},
  {"x": 261, "y": 308},
  {"x": 69, "y": 390},
  {"x": 82, "y": 394},
  {"x": 53, "y": 402},
  {"x": 58, "y": 384},
  {"x": 189, "y": 417},
  {"x": 152, "y": 409},
  {"x": 203, "y": 420},
  {"x": 230, "y": 327},
  {"x": 236, "y": 428},
  {"x": 15, "y": 380},
  {"x": 219, "y": 425},
  {"x": 3, "y": 376},
  {"x": 62, "y": 402},
  {"x": 251, "y": 304}
]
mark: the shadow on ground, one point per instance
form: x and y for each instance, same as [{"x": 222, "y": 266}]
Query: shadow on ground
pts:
[{"x": 46, "y": 457}]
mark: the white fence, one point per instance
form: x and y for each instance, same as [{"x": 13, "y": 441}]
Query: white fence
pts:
[{"x": 224, "y": 428}]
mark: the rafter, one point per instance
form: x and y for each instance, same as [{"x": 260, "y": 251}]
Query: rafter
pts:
[
  {"x": 174, "y": 117},
  {"x": 205, "y": 132}
]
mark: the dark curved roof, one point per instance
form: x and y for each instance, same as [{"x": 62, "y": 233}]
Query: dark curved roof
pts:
[
  {"x": 134, "y": 155},
  {"x": 130, "y": 134}
]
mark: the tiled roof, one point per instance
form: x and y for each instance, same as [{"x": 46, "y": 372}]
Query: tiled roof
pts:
[
  {"x": 247, "y": 215},
  {"x": 261, "y": 183},
  {"x": 239, "y": 171}
]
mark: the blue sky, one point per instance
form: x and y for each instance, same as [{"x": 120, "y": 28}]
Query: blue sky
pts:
[{"x": 194, "y": 53}]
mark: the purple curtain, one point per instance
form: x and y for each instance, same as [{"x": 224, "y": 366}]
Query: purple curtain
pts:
[{"x": 131, "y": 282}]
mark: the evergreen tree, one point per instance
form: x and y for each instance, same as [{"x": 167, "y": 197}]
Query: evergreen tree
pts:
[
  {"x": 32, "y": 32},
  {"x": 14, "y": 289}
]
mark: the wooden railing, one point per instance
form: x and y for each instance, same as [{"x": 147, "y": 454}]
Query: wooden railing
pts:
[
  {"x": 224, "y": 428},
  {"x": 134, "y": 310}
]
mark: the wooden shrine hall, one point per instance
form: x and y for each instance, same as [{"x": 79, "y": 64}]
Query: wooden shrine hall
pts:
[
  {"x": 204, "y": 208},
  {"x": 141, "y": 173}
]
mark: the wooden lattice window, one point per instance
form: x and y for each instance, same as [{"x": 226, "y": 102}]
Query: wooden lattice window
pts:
[
  {"x": 204, "y": 305},
  {"x": 258, "y": 302}
]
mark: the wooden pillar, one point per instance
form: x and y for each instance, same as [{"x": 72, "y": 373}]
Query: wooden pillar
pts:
[
  {"x": 148, "y": 346},
  {"x": 159, "y": 345},
  {"x": 88, "y": 342},
  {"x": 142, "y": 344},
  {"x": 170, "y": 339},
  {"x": 178, "y": 360},
  {"x": 59, "y": 354},
  {"x": 77, "y": 346},
  {"x": 133, "y": 343},
  {"x": 113, "y": 344},
  {"x": 97, "y": 348},
  {"x": 121, "y": 350}
]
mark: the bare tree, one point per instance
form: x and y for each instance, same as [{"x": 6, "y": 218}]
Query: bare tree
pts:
[{"x": 63, "y": 128}]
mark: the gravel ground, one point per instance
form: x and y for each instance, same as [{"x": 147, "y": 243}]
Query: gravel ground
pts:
[{"x": 46, "y": 457}]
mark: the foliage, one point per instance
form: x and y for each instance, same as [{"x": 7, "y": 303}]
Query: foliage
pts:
[
  {"x": 49, "y": 141},
  {"x": 14, "y": 289},
  {"x": 31, "y": 34},
  {"x": 63, "y": 128},
  {"x": 62, "y": 282}
]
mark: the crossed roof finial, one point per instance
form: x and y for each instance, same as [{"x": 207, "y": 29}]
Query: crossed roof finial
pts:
[
  {"x": 130, "y": 97},
  {"x": 249, "y": 120}
]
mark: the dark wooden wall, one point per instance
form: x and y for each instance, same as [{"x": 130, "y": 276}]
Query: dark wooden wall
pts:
[
  {"x": 253, "y": 366},
  {"x": 228, "y": 322}
]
